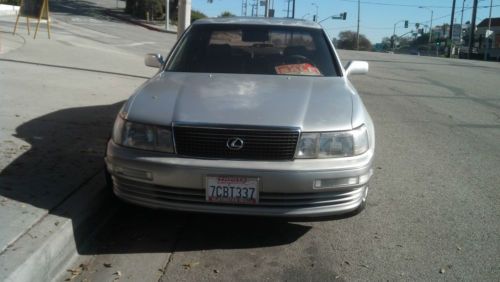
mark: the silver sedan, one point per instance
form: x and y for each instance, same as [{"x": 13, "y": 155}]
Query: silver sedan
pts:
[{"x": 246, "y": 116}]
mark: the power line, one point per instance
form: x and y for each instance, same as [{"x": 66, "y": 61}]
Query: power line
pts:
[{"x": 409, "y": 5}]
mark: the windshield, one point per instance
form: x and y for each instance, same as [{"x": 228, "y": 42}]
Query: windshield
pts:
[{"x": 247, "y": 49}]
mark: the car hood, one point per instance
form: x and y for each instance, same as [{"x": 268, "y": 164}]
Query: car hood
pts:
[{"x": 309, "y": 103}]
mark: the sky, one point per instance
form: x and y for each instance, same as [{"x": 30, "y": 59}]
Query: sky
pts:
[{"x": 377, "y": 17}]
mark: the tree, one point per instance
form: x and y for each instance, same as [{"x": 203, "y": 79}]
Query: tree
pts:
[
  {"x": 226, "y": 14},
  {"x": 196, "y": 15},
  {"x": 156, "y": 8},
  {"x": 347, "y": 40},
  {"x": 386, "y": 43}
]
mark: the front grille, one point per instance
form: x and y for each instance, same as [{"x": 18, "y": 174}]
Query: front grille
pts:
[
  {"x": 259, "y": 144},
  {"x": 272, "y": 200}
]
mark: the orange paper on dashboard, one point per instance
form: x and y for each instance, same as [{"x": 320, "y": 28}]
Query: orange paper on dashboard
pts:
[{"x": 297, "y": 69}]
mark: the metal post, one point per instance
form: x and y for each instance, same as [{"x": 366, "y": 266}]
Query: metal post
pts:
[
  {"x": 393, "y": 41},
  {"x": 472, "y": 29},
  {"x": 451, "y": 28},
  {"x": 357, "y": 32},
  {"x": 293, "y": 10},
  {"x": 167, "y": 14},
  {"x": 184, "y": 16},
  {"x": 288, "y": 9}
]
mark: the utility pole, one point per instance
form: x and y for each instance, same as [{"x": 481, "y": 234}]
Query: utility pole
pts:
[
  {"x": 451, "y": 28},
  {"x": 461, "y": 28},
  {"x": 357, "y": 32},
  {"x": 488, "y": 34},
  {"x": 293, "y": 10},
  {"x": 472, "y": 29}
]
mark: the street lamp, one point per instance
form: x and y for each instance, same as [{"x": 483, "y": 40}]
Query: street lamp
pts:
[
  {"x": 317, "y": 8},
  {"x": 430, "y": 28}
]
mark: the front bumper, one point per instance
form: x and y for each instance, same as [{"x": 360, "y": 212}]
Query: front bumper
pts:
[{"x": 287, "y": 188}]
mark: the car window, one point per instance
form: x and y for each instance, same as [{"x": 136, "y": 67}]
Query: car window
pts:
[{"x": 247, "y": 49}]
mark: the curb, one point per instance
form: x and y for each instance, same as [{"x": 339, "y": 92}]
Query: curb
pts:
[
  {"x": 45, "y": 251},
  {"x": 136, "y": 22}
]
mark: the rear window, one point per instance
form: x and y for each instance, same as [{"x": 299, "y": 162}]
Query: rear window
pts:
[{"x": 254, "y": 50}]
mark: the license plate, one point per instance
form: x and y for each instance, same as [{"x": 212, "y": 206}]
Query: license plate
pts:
[{"x": 232, "y": 189}]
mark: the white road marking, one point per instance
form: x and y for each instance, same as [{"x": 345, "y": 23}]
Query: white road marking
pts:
[{"x": 135, "y": 44}]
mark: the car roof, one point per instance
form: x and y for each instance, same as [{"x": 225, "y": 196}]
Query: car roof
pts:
[{"x": 258, "y": 21}]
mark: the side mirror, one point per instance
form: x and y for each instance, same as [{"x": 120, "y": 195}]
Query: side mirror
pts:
[
  {"x": 356, "y": 67},
  {"x": 154, "y": 60}
]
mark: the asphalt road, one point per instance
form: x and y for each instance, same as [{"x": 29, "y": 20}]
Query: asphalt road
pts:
[{"x": 433, "y": 210}]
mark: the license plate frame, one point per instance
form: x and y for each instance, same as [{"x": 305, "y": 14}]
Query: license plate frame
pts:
[{"x": 241, "y": 190}]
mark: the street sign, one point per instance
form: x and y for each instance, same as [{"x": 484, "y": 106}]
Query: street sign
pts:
[
  {"x": 31, "y": 9},
  {"x": 37, "y": 9}
]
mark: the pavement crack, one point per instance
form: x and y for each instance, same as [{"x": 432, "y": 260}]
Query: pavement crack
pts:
[{"x": 180, "y": 231}]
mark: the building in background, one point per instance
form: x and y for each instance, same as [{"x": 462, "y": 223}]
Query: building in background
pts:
[{"x": 491, "y": 38}]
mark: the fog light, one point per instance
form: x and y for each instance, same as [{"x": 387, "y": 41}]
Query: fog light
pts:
[
  {"x": 135, "y": 173},
  {"x": 335, "y": 182}
]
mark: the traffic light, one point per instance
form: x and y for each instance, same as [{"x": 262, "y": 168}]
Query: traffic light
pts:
[
  {"x": 417, "y": 25},
  {"x": 314, "y": 18},
  {"x": 406, "y": 24},
  {"x": 343, "y": 15}
]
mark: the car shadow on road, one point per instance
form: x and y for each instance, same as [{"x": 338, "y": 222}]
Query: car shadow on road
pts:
[
  {"x": 141, "y": 230},
  {"x": 66, "y": 150}
]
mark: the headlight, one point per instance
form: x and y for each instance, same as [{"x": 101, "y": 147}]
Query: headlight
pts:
[
  {"x": 333, "y": 144},
  {"x": 142, "y": 136}
]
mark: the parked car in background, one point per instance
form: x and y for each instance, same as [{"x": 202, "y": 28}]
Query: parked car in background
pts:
[{"x": 246, "y": 116}]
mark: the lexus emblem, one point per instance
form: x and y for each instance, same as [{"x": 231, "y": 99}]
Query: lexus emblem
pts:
[{"x": 234, "y": 143}]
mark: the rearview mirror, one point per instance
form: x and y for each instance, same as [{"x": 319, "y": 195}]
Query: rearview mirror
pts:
[
  {"x": 356, "y": 67},
  {"x": 154, "y": 60}
]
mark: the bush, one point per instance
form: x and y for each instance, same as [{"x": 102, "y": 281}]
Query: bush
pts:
[
  {"x": 226, "y": 14},
  {"x": 139, "y": 8}
]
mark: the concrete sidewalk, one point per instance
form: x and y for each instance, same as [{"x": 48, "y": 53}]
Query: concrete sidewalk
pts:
[{"x": 58, "y": 101}]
